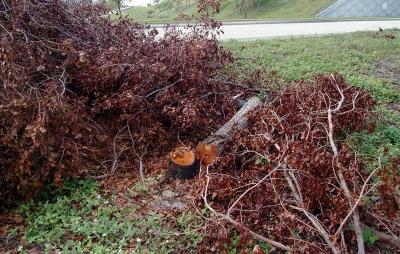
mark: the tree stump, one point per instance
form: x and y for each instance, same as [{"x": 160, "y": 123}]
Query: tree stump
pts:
[{"x": 183, "y": 163}]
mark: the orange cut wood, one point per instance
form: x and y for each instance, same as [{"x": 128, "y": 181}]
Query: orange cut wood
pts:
[
  {"x": 206, "y": 153},
  {"x": 183, "y": 164},
  {"x": 183, "y": 156}
]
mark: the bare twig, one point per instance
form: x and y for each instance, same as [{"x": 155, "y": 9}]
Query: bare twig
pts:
[
  {"x": 10, "y": 34},
  {"x": 342, "y": 181},
  {"x": 163, "y": 88},
  {"x": 314, "y": 220},
  {"x": 362, "y": 193},
  {"x": 227, "y": 218},
  {"x": 250, "y": 189},
  {"x": 343, "y": 242},
  {"x": 138, "y": 155},
  {"x": 115, "y": 153}
]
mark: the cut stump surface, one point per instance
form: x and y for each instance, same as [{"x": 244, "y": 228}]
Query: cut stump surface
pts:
[{"x": 183, "y": 163}]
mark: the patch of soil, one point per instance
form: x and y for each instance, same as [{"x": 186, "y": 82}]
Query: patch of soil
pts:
[
  {"x": 394, "y": 106},
  {"x": 381, "y": 34},
  {"x": 9, "y": 221},
  {"x": 157, "y": 193},
  {"x": 389, "y": 68}
]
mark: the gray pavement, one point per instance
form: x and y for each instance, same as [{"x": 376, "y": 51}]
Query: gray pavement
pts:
[
  {"x": 259, "y": 31},
  {"x": 251, "y": 30}
]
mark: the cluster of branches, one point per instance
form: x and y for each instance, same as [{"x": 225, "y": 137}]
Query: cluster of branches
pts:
[
  {"x": 80, "y": 92},
  {"x": 291, "y": 180}
]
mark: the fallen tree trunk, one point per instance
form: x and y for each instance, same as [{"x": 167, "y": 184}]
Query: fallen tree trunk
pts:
[
  {"x": 184, "y": 163},
  {"x": 208, "y": 150}
]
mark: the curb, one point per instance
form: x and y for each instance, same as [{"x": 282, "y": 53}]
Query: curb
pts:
[{"x": 255, "y": 22}]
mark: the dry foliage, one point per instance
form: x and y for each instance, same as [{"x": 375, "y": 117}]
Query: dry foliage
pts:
[
  {"x": 290, "y": 179},
  {"x": 80, "y": 92}
]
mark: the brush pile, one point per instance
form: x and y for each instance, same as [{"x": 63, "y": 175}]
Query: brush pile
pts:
[
  {"x": 290, "y": 180},
  {"x": 81, "y": 93}
]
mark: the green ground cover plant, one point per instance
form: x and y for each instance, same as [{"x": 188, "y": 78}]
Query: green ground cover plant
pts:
[{"x": 81, "y": 219}]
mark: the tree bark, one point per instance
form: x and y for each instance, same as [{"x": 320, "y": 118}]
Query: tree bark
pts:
[
  {"x": 185, "y": 163},
  {"x": 208, "y": 149}
]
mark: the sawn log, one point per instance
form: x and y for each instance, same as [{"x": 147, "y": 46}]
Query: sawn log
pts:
[{"x": 184, "y": 162}]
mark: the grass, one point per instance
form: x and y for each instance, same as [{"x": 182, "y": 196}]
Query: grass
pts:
[
  {"x": 355, "y": 56},
  {"x": 371, "y": 146},
  {"x": 83, "y": 219},
  {"x": 269, "y": 9}
]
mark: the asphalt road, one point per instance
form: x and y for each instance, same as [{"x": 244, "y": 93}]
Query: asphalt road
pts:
[
  {"x": 250, "y": 31},
  {"x": 263, "y": 30}
]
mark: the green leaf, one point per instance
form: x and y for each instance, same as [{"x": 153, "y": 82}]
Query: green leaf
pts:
[
  {"x": 261, "y": 161},
  {"x": 369, "y": 237}
]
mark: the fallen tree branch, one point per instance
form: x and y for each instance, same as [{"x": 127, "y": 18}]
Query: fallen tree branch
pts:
[
  {"x": 208, "y": 149},
  {"x": 250, "y": 189},
  {"x": 314, "y": 220},
  {"x": 342, "y": 181},
  {"x": 227, "y": 218},
  {"x": 139, "y": 155},
  {"x": 358, "y": 200},
  {"x": 317, "y": 189}
]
